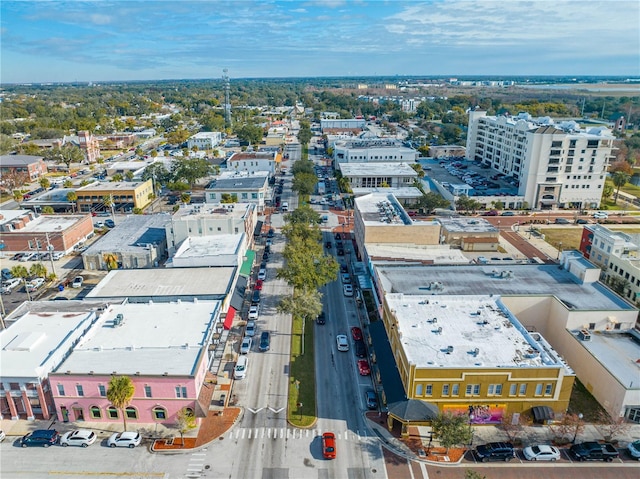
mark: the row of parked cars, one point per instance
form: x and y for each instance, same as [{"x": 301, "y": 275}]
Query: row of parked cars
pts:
[
  {"x": 78, "y": 437},
  {"x": 35, "y": 256},
  {"x": 586, "y": 451}
]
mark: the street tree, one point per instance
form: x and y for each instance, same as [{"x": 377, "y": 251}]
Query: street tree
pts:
[
  {"x": 22, "y": 273},
  {"x": 129, "y": 175},
  {"x": 185, "y": 198},
  {"x": 452, "y": 429},
  {"x": 185, "y": 422},
  {"x": 607, "y": 191},
  {"x": 302, "y": 166},
  {"x": 619, "y": 179},
  {"x": 117, "y": 177},
  {"x": 13, "y": 179},
  {"x": 304, "y": 183},
  {"x": 432, "y": 200},
  {"x": 178, "y": 136},
  {"x": 306, "y": 264},
  {"x": 72, "y": 197},
  {"x": 250, "y": 133},
  {"x": 67, "y": 184},
  {"x": 66, "y": 155},
  {"x": 304, "y": 134},
  {"x": 306, "y": 303},
  {"x": 44, "y": 183},
  {"x": 190, "y": 170},
  {"x": 38, "y": 270},
  {"x": 119, "y": 393}
]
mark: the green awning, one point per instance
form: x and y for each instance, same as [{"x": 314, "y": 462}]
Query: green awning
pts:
[{"x": 245, "y": 269}]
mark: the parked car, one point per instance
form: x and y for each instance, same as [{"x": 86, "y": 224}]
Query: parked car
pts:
[
  {"x": 9, "y": 285},
  {"x": 2, "y": 435},
  {"x": 35, "y": 284},
  {"x": 356, "y": 333},
  {"x": 594, "y": 451},
  {"x": 342, "y": 342},
  {"x": 495, "y": 451},
  {"x": 40, "y": 437},
  {"x": 371, "y": 399},
  {"x": 271, "y": 233},
  {"x": 255, "y": 297},
  {"x": 98, "y": 224},
  {"x": 250, "y": 329},
  {"x": 562, "y": 221},
  {"x": 600, "y": 215},
  {"x": 265, "y": 341},
  {"x": 128, "y": 439},
  {"x": 109, "y": 223},
  {"x": 262, "y": 274},
  {"x": 329, "y": 445},
  {"x": 321, "y": 318},
  {"x": 254, "y": 311},
  {"x": 363, "y": 367},
  {"x": 634, "y": 449},
  {"x": 348, "y": 290},
  {"x": 508, "y": 213},
  {"x": 491, "y": 213},
  {"x": 79, "y": 437},
  {"x": 6, "y": 274},
  {"x": 28, "y": 257},
  {"x": 541, "y": 452},
  {"x": 258, "y": 285},
  {"x": 240, "y": 371},
  {"x": 245, "y": 346},
  {"x": 582, "y": 221},
  {"x": 77, "y": 282},
  {"x": 361, "y": 349}
]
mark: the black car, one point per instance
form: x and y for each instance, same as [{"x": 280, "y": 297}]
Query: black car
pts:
[
  {"x": 360, "y": 349},
  {"x": 495, "y": 451},
  {"x": 321, "y": 318},
  {"x": 265, "y": 256},
  {"x": 338, "y": 237},
  {"x": 328, "y": 245},
  {"x": 265, "y": 341},
  {"x": 40, "y": 437},
  {"x": 263, "y": 265},
  {"x": 271, "y": 233},
  {"x": 255, "y": 299},
  {"x": 344, "y": 268},
  {"x": 371, "y": 399},
  {"x": 340, "y": 252}
]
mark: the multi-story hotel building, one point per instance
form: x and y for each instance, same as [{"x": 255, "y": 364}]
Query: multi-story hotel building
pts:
[{"x": 555, "y": 165}]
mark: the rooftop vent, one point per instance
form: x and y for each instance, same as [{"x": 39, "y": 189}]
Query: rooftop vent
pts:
[
  {"x": 449, "y": 349},
  {"x": 584, "y": 335},
  {"x": 118, "y": 320}
]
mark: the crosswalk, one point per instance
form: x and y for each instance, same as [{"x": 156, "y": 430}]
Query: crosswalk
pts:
[{"x": 277, "y": 433}]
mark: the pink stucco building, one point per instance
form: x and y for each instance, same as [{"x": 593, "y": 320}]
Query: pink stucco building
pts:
[{"x": 162, "y": 347}]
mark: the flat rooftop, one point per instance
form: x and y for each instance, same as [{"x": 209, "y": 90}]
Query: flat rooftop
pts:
[
  {"x": 381, "y": 208},
  {"x": 507, "y": 280},
  {"x": 474, "y": 331},
  {"x": 215, "y": 245},
  {"x": 409, "y": 192},
  {"x": 134, "y": 233},
  {"x": 377, "y": 169},
  {"x": 239, "y": 183},
  {"x": 43, "y": 223},
  {"x": 463, "y": 224},
  {"x": 165, "y": 284},
  {"x": 409, "y": 253},
  {"x": 29, "y": 344},
  {"x": 619, "y": 353},
  {"x": 151, "y": 339},
  {"x": 210, "y": 210},
  {"x": 110, "y": 186}
]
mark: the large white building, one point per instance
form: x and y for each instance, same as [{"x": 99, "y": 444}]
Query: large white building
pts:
[
  {"x": 373, "y": 150},
  {"x": 556, "y": 165},
  {"x": 373, "y": 175},
  {"x": 251, "y": 162},
  {"x": 205, "y": 140}
]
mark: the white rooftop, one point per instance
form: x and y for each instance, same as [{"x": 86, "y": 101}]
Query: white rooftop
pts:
[
  {"x": 215, "y": 245},
  {"x": 36, "y": 343},
  {"x": 41, "y": 224},
  {"x": 150, "y": 339},
  {"x": 619, "y": 353},
  {"x": 408, "y": 192},
  {"x": 465, "y": 224},
  {"x": 380, "y": 209},
  {"x": 470, "y": 331},
  {"x": 218, "y": 210},
  {"x": 437, "y": 254},
  {"x": 110, "y": 186},
  {"x": 377, "y": 169},
  {"x": 165, "y": 283}
]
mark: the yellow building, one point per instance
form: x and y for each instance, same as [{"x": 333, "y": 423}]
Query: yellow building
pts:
[{"x": 124, "y": 195}]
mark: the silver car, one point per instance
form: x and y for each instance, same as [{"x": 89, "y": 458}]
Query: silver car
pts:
[
  {"x": 79, "y": 437},
  {"x": 245, "y": 347}
]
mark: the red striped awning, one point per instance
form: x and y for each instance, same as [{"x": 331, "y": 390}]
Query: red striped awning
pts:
[{"x": 228, "y": 320}]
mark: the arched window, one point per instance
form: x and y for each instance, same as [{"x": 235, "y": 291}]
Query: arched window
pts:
[
  {"x": 131, "y": 412},
  {"x": 112, "y": 412},
  {"x": 189, "y": 411},
  {"x": 96, "y": 412},
  {"x": 159, "y": 413}
]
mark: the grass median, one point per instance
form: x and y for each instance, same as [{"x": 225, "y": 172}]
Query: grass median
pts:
[{"x": 302, "y": 378}]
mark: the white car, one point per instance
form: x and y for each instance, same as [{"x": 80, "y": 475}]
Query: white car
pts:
[
  {"x": 98, "y": 224},
  {"x": 342, "y": 342},
  {"x": 634, "y": 449},
  {"x": 348, "y": 290},
  {"x": 262, "y": 274},
  {"x": 77, "y": 282},
  {"x": 541, "y": 452},
  {"x": 34, "y": 284},
  {"x": 250, "y": 329},
  {"x": 28, "y": 257},
  {"x": 79, "y": 437},
  {"x": 253, "y": 311},
  {"x": 601, "y": 215},
  {"x": 10, "y": 284},
  {"x": 124, "y": 439},
  {"x": 57, "y": 255},
  {"x": 245, "y": 346}
]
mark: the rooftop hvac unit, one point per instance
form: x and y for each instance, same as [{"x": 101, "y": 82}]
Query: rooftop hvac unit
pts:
[
  {"x": 584, "y": 335},
  {"x": 119, "y": 319},
  {"x": 449, "y": 349}
]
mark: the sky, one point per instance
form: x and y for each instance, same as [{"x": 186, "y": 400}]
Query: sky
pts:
[{"x": 122, "y": 40}]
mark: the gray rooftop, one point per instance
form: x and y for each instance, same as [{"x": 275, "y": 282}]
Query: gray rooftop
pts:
[
  {"x": 110, "y": 186},
  {"x": 377, "y": 169},
  {"x": 150, "y": 339},
  {"x": 239, "y": 183},
  {"x": 18, "y": 160},
  {"x": 464, "y": 224},
  {"x": 381, "y": 208},
  {"x": 165, "y": 284},
  {"x": 511, "y": 280},
  {"x": 132, "y": 234}
]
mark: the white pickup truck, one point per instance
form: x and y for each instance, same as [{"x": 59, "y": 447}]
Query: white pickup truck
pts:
[{"x": 9, "y": 285}]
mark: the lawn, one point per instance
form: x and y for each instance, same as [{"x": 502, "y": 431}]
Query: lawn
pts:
[
  {"x": 582, "y": 402},
  {"x": 569, "y": 237},
  {"x": 302, "y": 378}
]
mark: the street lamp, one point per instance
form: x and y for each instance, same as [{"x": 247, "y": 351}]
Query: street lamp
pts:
[{"x": 577, "y": 425}]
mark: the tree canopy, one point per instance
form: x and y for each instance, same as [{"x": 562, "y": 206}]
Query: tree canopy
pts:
[{"x": 119, "y": 393}]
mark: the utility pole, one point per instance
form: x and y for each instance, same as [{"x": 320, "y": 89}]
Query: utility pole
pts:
[{"x": 50, "y": 250}]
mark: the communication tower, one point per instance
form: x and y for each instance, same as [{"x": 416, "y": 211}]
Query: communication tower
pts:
[{"x": 227, "y": 102}]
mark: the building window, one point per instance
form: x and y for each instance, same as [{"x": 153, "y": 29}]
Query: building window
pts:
[
  {"x": 538, "y": 389},
  {"x": 95, "y": 412},
  {"x": 159, "y": 413},
  {"x": 472, "y": 390},
  {"x": 79, "y": 390},
  {"x": 102, "y": 390},
  {"x": 60, "y": 390},
  {"x": 513, "y": 389},
  {"x": 494, "y": 390},
  {"x": 429, "y": 390},
  {"x": 445, "y": 389},
  {"x": 418, "y": 389},
  {"x": 181, "y": 392},
  {"x": 147, "y": 392},
  {"x": 456, "y": 390},
  {"x": 112, "y": 412},
  {"x": 131, "y": 413},
  {"x": 548, "y": 389},
  {"x": 523, "y": 390}
]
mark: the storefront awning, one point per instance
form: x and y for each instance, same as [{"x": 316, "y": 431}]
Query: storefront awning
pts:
[
  {"x": 228, "y": 320},
  {"x": 542, "y": 413}
]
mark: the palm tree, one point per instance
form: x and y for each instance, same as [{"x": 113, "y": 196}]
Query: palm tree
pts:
[
  {"x": 72, "y": 197},
  {"x": 619, "y": 178},
  {"x": 119, "y": 393},
  {"x": 21, "y": 272}
]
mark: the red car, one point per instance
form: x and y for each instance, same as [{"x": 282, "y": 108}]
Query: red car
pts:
[
  {"x": 356, "y": 333},
  {"x": 363, "y": 367},
  {"x": 259, "y": 284},
  {"x": 329, "y": 445}
]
